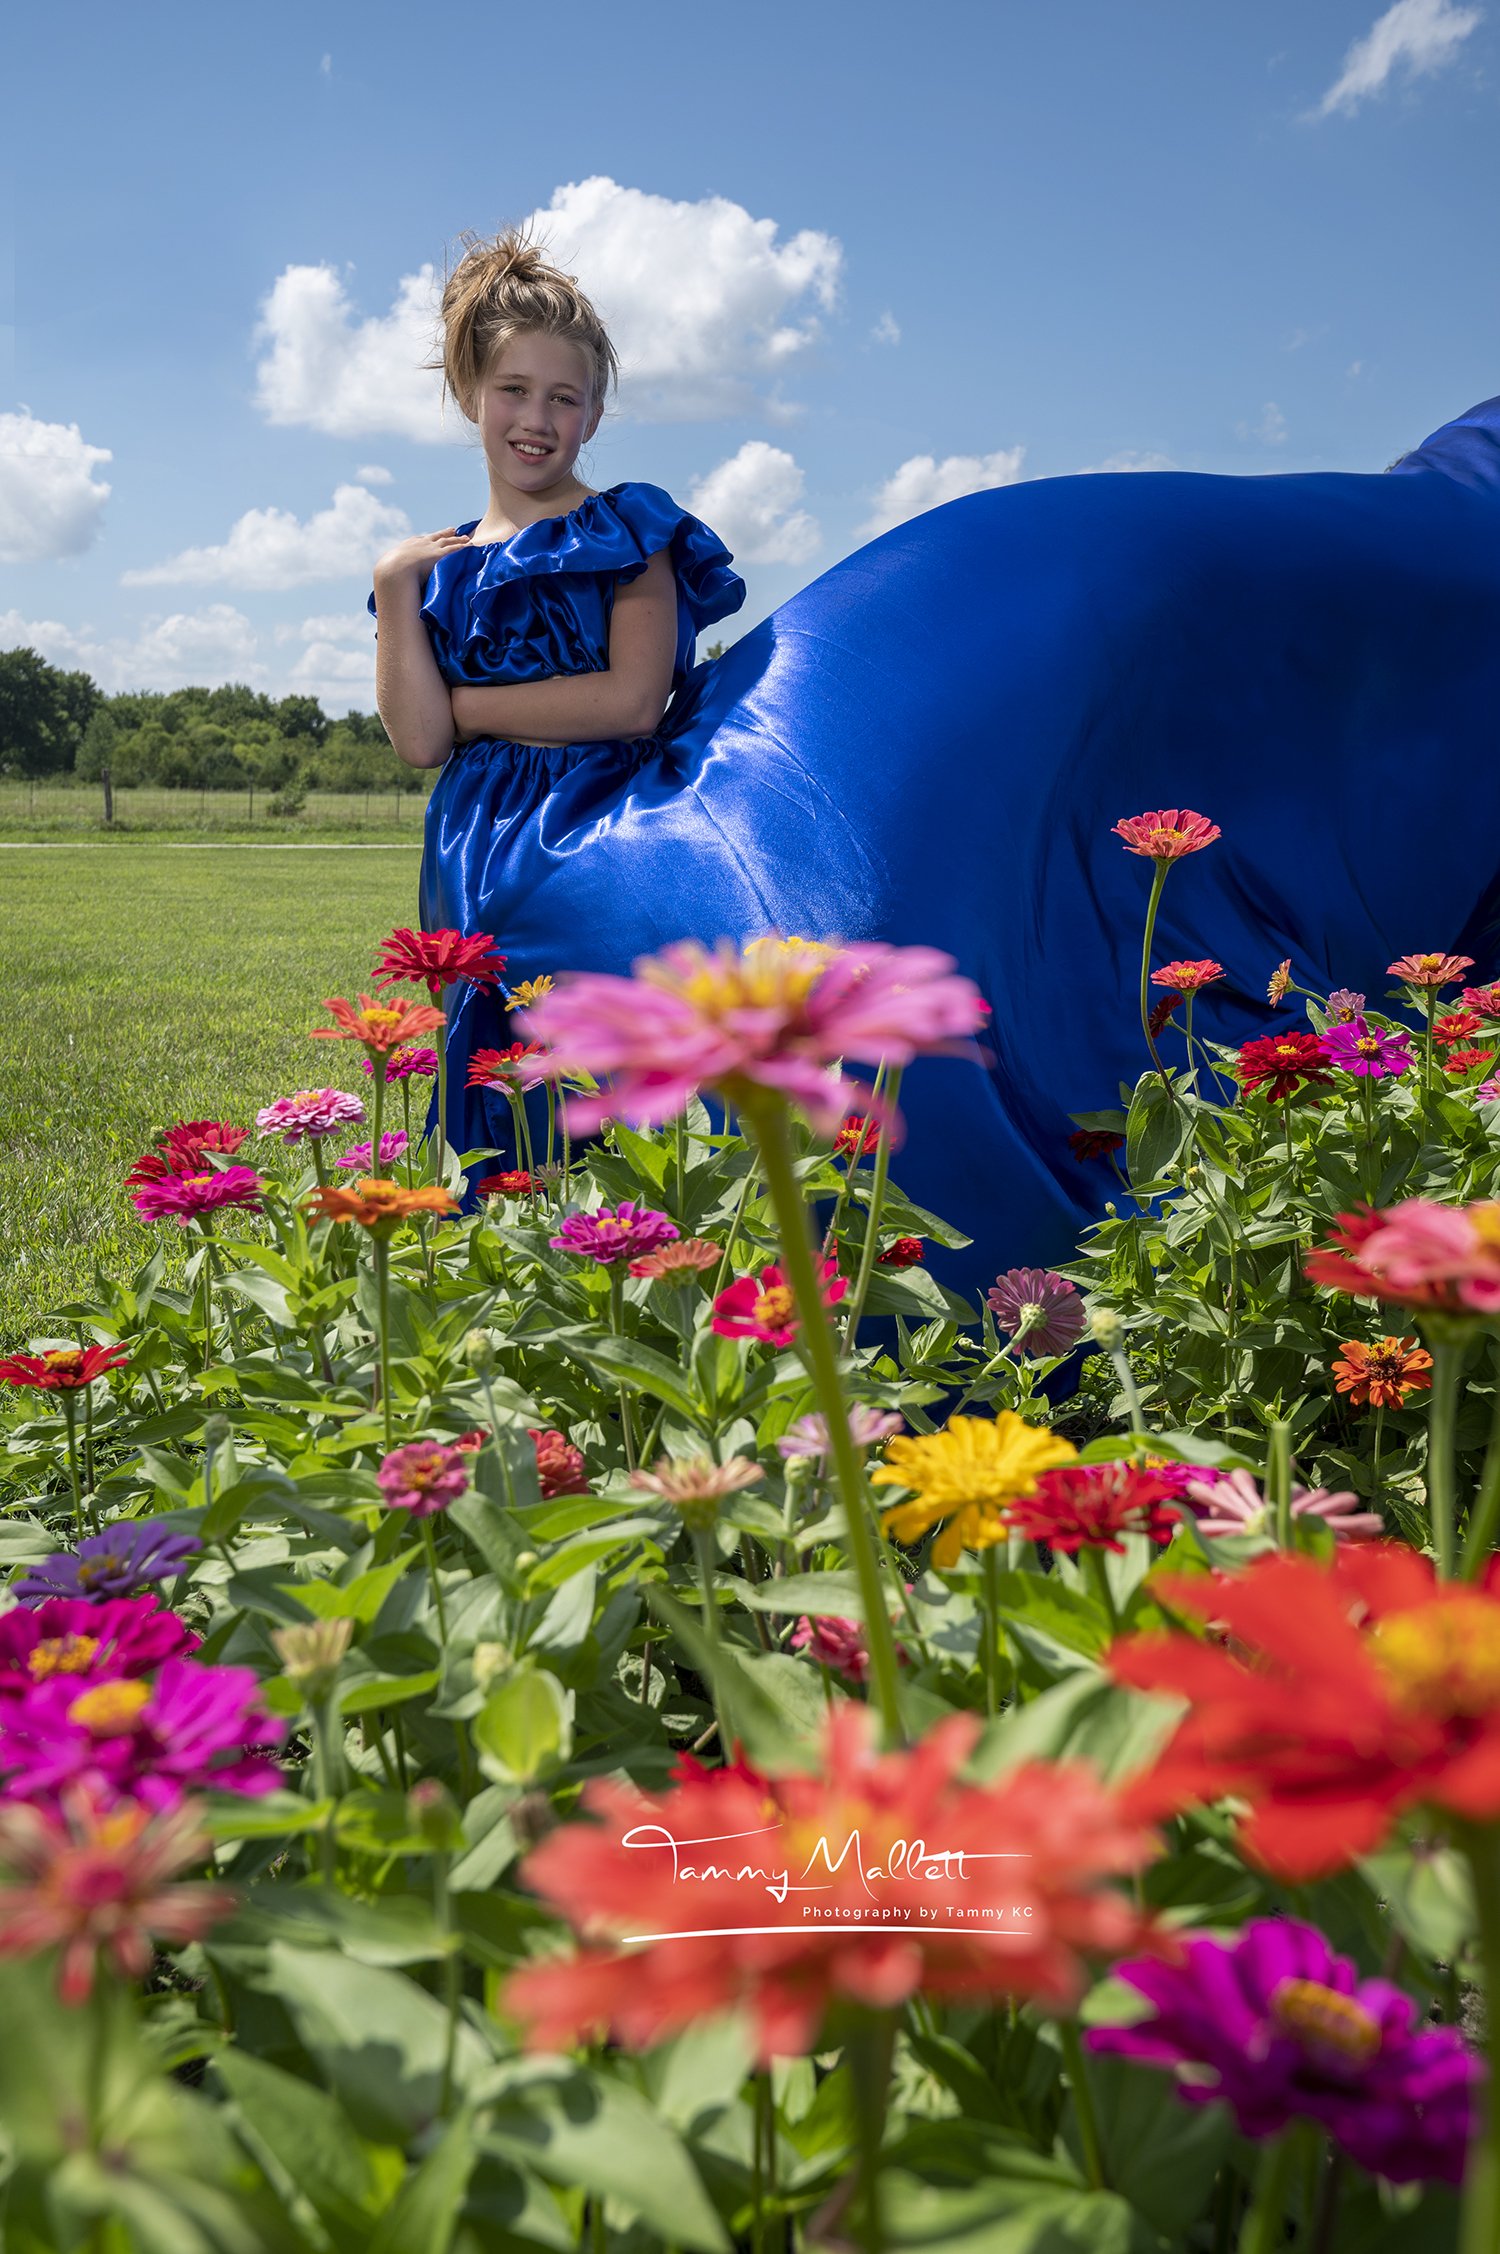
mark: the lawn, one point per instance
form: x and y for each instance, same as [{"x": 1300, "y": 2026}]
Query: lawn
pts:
[{"x": 147, "y": 984}]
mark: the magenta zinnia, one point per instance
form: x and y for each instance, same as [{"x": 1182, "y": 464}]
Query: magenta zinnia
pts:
[
  {"x": 392, "y": 1147},
  {"x": 424, "y": 1477},
  {"x": 436, "y": 959},
  {"x": 196, "y": 1727},
  {"x": 188, "y": 1197},
  {"x": 1368, "y": 1051},
  {"x": 765, "y": 1306},
  {"x": 614, "y": 1233}
]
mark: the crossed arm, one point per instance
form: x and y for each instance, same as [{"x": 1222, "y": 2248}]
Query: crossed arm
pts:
[{"x": 424, "y": 718}]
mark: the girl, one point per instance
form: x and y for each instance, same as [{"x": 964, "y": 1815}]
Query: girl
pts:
[{"x": 932, "y": 742}]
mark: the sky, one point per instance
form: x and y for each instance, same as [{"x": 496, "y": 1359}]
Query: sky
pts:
[{"x": 856, "y": 260}]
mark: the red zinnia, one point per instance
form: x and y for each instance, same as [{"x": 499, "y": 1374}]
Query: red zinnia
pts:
[
  {"x": 1281, "y": 1064},
  {"x": 513, "y": 1182},
  {"x": 857, "y": 1136},
  {"x": 1091, "y": 1142},
  {"x": 1089, "y": 1506},
  {"x": 1161, "y": 1011},
  {"x": 505, "y": 1068},
  {"x": 1187, "y": 978},
  {"x": 1460, "y": 1061},
  {"x": 765, "y": 1307},
  {"x": 1167, "y": 834},
  {"x": 181, "y": 1149},
  {"x": 1348, "y": 1693},
  {"x": 560, "y": 1467},
  {"x": 906, "y": 1252},
  {"x": 1455, "y": 1025},
  {"x": 64, "y": 1369},
  {"x": 436, "y": 959}
]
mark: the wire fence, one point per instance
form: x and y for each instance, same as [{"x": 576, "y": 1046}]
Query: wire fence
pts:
[{"x": 50, "y": 807}]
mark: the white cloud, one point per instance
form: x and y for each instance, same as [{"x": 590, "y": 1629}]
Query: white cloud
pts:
[
  {"x": 50, "y": 505},
  {"x": 751, "y": 501},
  {"x": 1131, "y": 458},
  {"x": 1419, "y": 35},
  {"x": 206, "y": 646},
  {"x": 1270, "y": 430},
  {"x": 268, "y": 549},
  {"x": 886, "y": 330},
  {"x": 707, "y": 311},
  {"x": 371, "y": 473},
  {"x": 328, "y": 626},
  {"x": 1355, "y": 368},
  {"x": 925, "y": 483},
  {"x": 325, "y": 65}
]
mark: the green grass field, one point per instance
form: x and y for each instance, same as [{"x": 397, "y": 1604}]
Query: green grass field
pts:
[
  {"x": 146, "y": 983},
  {"x": 56, "y": 810}
]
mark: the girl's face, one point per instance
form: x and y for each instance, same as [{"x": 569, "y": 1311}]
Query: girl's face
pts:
[{"x": 535, "y": 412}]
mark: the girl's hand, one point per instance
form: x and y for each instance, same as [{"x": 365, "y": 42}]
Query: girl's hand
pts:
[{"x": 414, "y": 558}]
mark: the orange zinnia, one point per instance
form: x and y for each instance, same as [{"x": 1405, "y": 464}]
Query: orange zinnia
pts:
[
  {"x": 1382, "y": 1374},
  {"x": 379, "y": 1024},
  {"x": 377, "y": 1204}
]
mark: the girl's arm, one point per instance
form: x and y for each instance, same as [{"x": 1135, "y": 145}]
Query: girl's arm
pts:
[
  {"x": 623, "y": 702},
  {"x": 410, "y": 693}
]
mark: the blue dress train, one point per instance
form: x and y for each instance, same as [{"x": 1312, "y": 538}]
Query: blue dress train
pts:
[{"x": 932, "y": 740}]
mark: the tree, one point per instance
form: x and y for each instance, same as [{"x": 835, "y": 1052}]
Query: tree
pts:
[
  {"x": 302, "y": 716},
  {"x": 42, "y": 714}
]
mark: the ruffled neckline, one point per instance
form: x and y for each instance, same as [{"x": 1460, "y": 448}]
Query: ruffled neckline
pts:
[{"x": 542, "y": 525}]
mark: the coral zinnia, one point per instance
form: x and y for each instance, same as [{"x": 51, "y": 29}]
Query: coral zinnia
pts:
[
  {"x": 1418, "y": 1254},
  {"x": 1281, "y": 1064},
  {"x": 1048, "y": 1841},
  {"x": 378, "y": 1205},
  {"x": 1167, "y": 834},
  {"x": 1382, "y": 1374},
  {"x": 611, "y": 1234},
  {"x": 671, "y": 1263},
  {"x": 1278, "y": 985},
  {"x": 379, "y": 1026},
  {"x": 965, "y": 1477},
  {"x": 1039, "y": 1312},
  {"x": 1187, "y": 978},
  {"x": 560, "y": 1468},
  {"x": 765, "y": 1306},
  {"x": 1367, "y": 1051},
  {"x": 1430, "y": 970},
  {"x": 1347, "y": 1693},
  {"x": 436, "y": 959},
  {"x": 1089, "y": 1506},
  {"x": 1277, "y": 2027},
  {"x": 311, "y": 1112},
  {"x": 771, "y": 1014},
  {"x": 63, "y": 1369},
  {"x": 507, "y": 1068},
  {"x": 696, "y": 1485}
]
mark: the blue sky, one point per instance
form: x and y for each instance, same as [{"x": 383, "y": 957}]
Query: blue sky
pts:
[{"x": 858, "y": 259}]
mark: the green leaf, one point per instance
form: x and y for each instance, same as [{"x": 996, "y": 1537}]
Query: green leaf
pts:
[
  {"x": 523, "y": 1727},
  {"x": 378, "y": 2038},
  {"x": 1119, "y": 1730},
  {"x": 306, "y": 2132},
  {"x": 263, "y": 1292},
  {"x": 821, "y": 1595},
  {"x": 1155, "y": 1133},
  {"x": 1049, "y": 1618},
  {"x": 628, "y": 1362},
  {"x": 424, "y": 2214},
  {"x": 359, "y": 1599},
  {"x": 363, "y": 1693}
]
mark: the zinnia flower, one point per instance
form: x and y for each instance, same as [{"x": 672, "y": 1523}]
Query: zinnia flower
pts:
[
  {"x": 1455, "y": 1025},
  {"x": 1231, "y": 1503},
  {"x": 512, "y": 1181},
  {"x": 93, "y": 1879},
  {"x": 181, "y": 1149},
  {"x": 1489, "y": 1093},
  {"x": 857, "y": 1137},
  {"x": 1281, "y": 1064},
  {"x": 965, "y": 1478},
  {"x": 507, "y": 1068},
  {"x": 1484, "y": 999},
  {"x": 392, "y": 1146},
  {"x": 1368, "y": 1051},
  {"x": 424, "y": 1477},
  {"x": 1167, "y": 834},
  {"x": 1418, "y": 1254},
  {"x": 195, "y": 1728},
  {"x": 111, "y": 1564},
  {"x": 1346, "y": 1694},
  {"x": 1161, "y": 1011},
  {"x": 1430, "y": 970},
  {"x": 1382, "y": 1374},
  {"x": 528, "y": 991},
  {"x": 1092, "y": 1142},
  {"x": 379, "y": 1026},
  {"x": 188, "y": 1197},
  {"x": 1039, "y": 1312},
  {"x": 1089, "y": 1506},
  {"x": 63, "y": 1369},
  {"x": 765, "y": 1306},
  {"x": 88, "y": 1642},
  {"x": 904, "y": 1252},
  {"x": 614, "y": 1233},
  {"x": 771, "y": 1014},
  {"x": 1187, "y": 978},
  {"x": 378, "y": 1205},
  {"x": 696, "y": 1485},
  {"x": 867, "y": 1426},
  {"x": 402, "y": 1064},
  {"x": 1062, "y": 1843},
  {"x": 1278, "y": 985},
  {"x": 674, "y": 1263},
  {"x": 560, "y": 1468},
  {"x": 834, "y": 1643},
  {"x": 436, "y": 959},
  {"x": 1279, "y": 2029},
  {"x": 1344, "y": 1005},
  {"x": 1458, "y": 1062},
  {"x": 311, "y": 1113}
]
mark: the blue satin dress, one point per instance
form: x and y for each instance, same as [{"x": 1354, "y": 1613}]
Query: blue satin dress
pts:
[{"x": 932, "y": 741}]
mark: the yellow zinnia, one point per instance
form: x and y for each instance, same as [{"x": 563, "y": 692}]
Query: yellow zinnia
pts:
[{"x": 966, "y": 1474}]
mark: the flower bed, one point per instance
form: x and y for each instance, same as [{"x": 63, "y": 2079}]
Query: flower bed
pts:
[{"x": 528, "y": 1728}]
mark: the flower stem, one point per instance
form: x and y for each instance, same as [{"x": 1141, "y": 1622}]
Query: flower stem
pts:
[
  {"x": 440, "y": 1132},
  {"x": 1262, "y": 2230},
  {"x": 722, "y": 1275},
  {"x": 70, "y": 1421},
  {"x": 1158, "y": 879},
  {"x": 1083, "y": 2103},
  {"x": 1369, "y": 1173},
  {"x": 766, "y": 1116},
  {"x": 872, "y": 1215},
  {"x": 989, "y": 1566},
  {"x": 869, "y": 2051},
  {"x": 617, "y": 1325},
  {"x": 429, "y": 1544},
  {"x": 1479, "y": 2232},
  {"x": 411, "y": 1159},
  {"x": 1484, "y": 1517},
  {"x": 703, "y": 1544},
  {"x": 377, "y": 1107},
  {"x": 382, "y": 1253},
  {"x": 1279, "y": 1481},
  {"x": 1442, "y": 1411}
]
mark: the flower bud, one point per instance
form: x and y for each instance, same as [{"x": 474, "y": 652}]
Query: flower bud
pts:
[
  {"x": 216, "y": 1431},
  {"x": 490, "y": 1661},
  {"x": 525, "y": 1561},
  {"x": 1107, "y": 1328},
  {"x": 311, "y": 1654},
  {"x": 479, "y": 1351},
  {"x": 531, "y": 1818},
  {"x": 433, "y": 1813}
]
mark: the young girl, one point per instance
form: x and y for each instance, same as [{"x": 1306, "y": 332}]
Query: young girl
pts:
[{"x": 531, "y": 653}]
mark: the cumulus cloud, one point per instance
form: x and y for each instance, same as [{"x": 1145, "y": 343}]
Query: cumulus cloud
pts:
[
  {"x": 922, "y": 482},
  {"x": 1269, "y": 431},
  {"x": 206, "y": 646},
  {"x": 1132, "y": 458},
  {"x": 1417, "y": 36},
  {"x": 371, "y": 473},
  {"x": 50, "y": 504},
  {"x": 751, "y": 501},
  {"x": 269, "y": 549},
  {"x": 707, "y": 311},
  {"x": 886, "y": 330}
]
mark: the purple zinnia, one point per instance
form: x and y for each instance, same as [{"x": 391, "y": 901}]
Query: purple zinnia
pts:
[
  {"x": 392, "y": 1147},
  {"x": 1282, "y": 2030},
  {"x": 1367, "y": 1050},
  {"x": 313, "y": 1112},
  {"x": 1344, "y": 1005},
  {"x": 809, "y": 1435},
  {"x": 614, "y": 1233},
  {"x": 403, "y": 1064},
  {"x": 1040, "y": 1311},
  {"x": 111, "y": 1564}
]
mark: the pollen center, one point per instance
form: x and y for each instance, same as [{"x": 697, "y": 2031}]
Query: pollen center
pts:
[
  {"x": 110, "y": 1709},
  {"x": 61, "y": 1655},
  {"x": 776, "y": 1307},
  {"x": 1324, "y": 2021},
  {"x": 66, "y": 1360},
  {"x": 1443, "y": 1658}
]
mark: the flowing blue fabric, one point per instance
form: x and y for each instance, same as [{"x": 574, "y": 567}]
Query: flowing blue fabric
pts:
[{"x": 931, "y": 742}]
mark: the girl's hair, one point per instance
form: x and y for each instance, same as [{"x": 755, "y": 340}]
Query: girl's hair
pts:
[{"x": 505, "y": 289}]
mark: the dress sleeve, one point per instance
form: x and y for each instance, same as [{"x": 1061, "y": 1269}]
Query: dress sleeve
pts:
[{"x": 652, "y": 520}]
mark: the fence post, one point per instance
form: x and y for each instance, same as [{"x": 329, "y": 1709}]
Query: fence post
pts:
[
  {"x": 252, "y": 804},
  {"x": 107, "y": 779}
]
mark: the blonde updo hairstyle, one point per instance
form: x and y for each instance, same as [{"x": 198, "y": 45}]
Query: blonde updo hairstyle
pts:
[{"x": 506, "y": 288}]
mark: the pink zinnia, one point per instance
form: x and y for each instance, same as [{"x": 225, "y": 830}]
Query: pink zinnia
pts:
[
  {"x": 1187, "y": 978},
  {"x": 1484, "y": 999},
  {"x": 1233, "y": 1504},
  {"x": 424, "y": 1477},
  {"x": 1418, "y": 1254},
  {"x": 614, "y": 1233},
  {"x": 765, "y": 1306},
  {"x": 187, "y": 1197},
  {"x": 1040, "y": 1312},
  {"x": 560, "y": 1468},
  {"x": 1430, "y": 970},
  {"x": 392, "y": 1147},
  {"x": 1368, "y": 1051},
  {"x": 197, "y": 1728},
  {"x": 313, "y": 1112},
  {"x": 1167, "y": 834},
  {"x": 834, "y": 1643},
  {"x": 1344, "y": 1005},
  {"x": 867, "y": 1427},
  {"x": 86, "y": 1642},
  {"x": 401, "y": 1064},
  {"x": 771, "y": 1014}
]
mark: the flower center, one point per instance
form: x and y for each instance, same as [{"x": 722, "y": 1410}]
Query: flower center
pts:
[
  {"x": 1367, "y": 1046},
  {"x": 1324, "y": 2021},
  {"x": 1162, "y": 841},
  {"x": 110, "y": 1709},
  {"x": 197, "y": 1181},
  {"x": 423, "y": 1471},
  {"x": 381, "y": 1023},
  {"x": 1443, "y": 1658},
  {"x": 67, "y": 1361},
  {"x": 92, "y": 1570},
  {"x": 1286, "y": 1048},
  {"x": 61, "y": 1655},
  {"x": 1484, "y": 1220},
  {"x": 776, "y": 1307}
]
